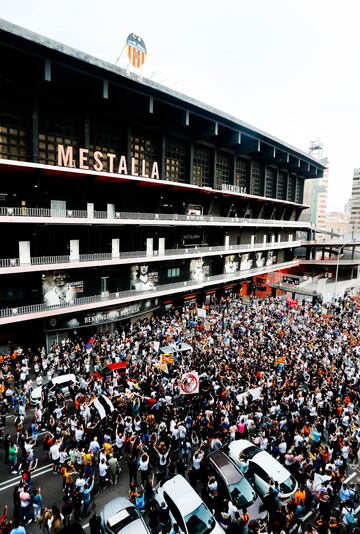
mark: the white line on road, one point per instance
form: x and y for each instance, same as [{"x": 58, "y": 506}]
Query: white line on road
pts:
[
  {"x": 10, "y": 485},
  {"x": 350, "y": 477},
  {"x": 357, "y": 510},
  {"x": 36, "y": 471}
]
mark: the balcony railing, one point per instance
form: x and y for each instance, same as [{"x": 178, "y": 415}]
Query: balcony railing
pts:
[
  {"x": 135, "y": 216},
  {"x": 135, "y": 255},
  {"x": 159, "y": 290}
]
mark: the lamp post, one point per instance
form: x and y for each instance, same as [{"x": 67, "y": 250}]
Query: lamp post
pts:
[{"x": 337, "y": 269}]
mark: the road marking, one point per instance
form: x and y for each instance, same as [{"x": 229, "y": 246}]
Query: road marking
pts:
[
  {"x": 36, "y": 471},
  {"x": 357, "y": 510},
  {"x": 350, "y": 477},
  {"x": 10, "y": 485}
]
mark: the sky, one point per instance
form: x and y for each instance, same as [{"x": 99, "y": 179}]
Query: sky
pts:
[{"x": 288, "y": 67}]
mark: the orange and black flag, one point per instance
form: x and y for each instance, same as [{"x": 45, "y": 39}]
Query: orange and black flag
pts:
[
  {"x": 167, "y": 359},
  {"x": 136, "y": 50}
]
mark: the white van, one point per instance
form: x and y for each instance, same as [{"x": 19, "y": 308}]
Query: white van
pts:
[{"x": 63, "y": 382}]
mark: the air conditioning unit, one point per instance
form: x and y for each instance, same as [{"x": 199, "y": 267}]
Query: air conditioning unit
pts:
[
  {"x": 10, "y": 211},
  {"x": 13, "y": 262}
]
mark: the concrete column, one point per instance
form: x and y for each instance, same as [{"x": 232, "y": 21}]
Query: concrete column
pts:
[
  {"x": 290, "y": 237},
  {"x": 111, "y": 211},
  {"x": 74, "y": 250},
  {"x": 253, "y": 240},
  {"x": 115, "y": 248},
  {"x": 227, "y": 242},
  {"x": 90, "y": 210},
  {"x": 24, "y": 253},
  {"x": 161, "y": 251},
  {"x": 272, "y": 238},
  {"x": 264, "y": 239},
  {"x": 149, "y": 246},
  {"x": 279, "y": 237}
]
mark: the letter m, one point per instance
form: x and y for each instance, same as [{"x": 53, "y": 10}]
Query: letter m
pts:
[{"x": 65, "y": 156}]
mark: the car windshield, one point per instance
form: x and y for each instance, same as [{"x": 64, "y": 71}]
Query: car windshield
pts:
[
  {"x": 118, "y": 521},
  {"x": 242, "y": 494},
  {"x": 250, "y": 452},
  {"x": 200, "y": 521},
  {"x": 288, "y": 485}
]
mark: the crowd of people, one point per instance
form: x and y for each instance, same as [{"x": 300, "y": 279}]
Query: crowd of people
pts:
[{"x": 303, "y": 362}]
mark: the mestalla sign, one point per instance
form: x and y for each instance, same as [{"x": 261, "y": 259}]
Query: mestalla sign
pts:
[{"x": 117, "y": 164}]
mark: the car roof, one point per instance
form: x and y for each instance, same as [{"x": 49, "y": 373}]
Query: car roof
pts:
[
  {"x": 228, "y": 471},
  {"x": 183, "y": 495},
  {"x": 273, "y": 468},
  {"x": 114, "y": 506},
  {"x": 63, "y": 378},
  {"x": 239, "y": 445},
  {"x": 135, "y": 527}
]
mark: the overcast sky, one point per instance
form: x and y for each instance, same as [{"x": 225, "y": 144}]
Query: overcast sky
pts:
[{"x": 289, "y": 67}]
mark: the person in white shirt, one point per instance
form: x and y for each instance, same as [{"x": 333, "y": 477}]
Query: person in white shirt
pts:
[{"x": 55, "y": 455}]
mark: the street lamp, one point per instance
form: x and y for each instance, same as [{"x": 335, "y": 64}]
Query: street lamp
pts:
[{"x": 337, "y": 268}]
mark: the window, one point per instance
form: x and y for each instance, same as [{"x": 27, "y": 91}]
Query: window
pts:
[
  {"x": 145, "y": 146},
  {"x": 174, "y": 511},
  {"x": 291, "y": 188},
  {"x": 175, "y": 160},
  {"x": 242, "y": 494},
  {"x": 174, "y": 272},
  {"x": 13, "y": 138},
  {"x": 201, "y": 166},
  {"x": 105, "y": 138},
  {"x": 55, "y": 130},
  {"x": 223, "y": 169},
  {"x": 299, "y": 190},
  {"x": 270, "y": 182},
  {"x": 255, "y": 183},
  {"x": 280, "y": 193},
  {"x": 241, "y": 172}
]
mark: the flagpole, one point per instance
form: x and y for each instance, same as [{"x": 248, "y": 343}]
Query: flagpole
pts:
[{"x": 121, "y": 53}]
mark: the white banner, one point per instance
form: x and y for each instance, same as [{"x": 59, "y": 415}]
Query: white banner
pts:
[{"x": 189, "y": 383}]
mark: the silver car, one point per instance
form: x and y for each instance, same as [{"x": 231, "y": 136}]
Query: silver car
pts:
[{"x": 121, "y": 516}]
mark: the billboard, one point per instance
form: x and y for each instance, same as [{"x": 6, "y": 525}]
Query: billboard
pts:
[
  {"x": 141, "y": 279},
  {"x": 81, "y": 320},
  {"x": 231, "y": 263},
  {"x": 199, "y": 268},
  {"x": 61, "y": 287}
]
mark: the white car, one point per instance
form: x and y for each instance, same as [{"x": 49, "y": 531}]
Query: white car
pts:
[
  {"x": 186, "y": 508},
  {"x": 120, "y": 516},
  {"x": 58, "y": 382},
  {"x": 262, "y": 469}
]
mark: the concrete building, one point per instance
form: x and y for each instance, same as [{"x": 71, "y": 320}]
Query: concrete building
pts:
[{"x": 355, "y": 201}]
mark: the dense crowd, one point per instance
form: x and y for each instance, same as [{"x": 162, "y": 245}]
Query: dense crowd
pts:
[{"x": 302, "y": 360}]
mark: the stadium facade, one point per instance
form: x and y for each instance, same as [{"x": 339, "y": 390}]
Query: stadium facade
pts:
[{"x": 120, "y": 196}]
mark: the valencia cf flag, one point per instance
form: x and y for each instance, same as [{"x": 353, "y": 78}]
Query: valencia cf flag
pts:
[{"x": 136, "y": 50}]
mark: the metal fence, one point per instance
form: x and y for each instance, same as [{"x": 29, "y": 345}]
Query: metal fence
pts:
[
  {"x": 166, "y": 288},
  {"x": 135, "y": 255},
  {"x": 123, "y": 216}
]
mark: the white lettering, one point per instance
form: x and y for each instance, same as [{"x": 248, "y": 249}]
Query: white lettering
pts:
[
  {"x": 122, "y": 166},
  {"x": 65, "y": 158},
  {"x": 133, "y": 164},
  {"x": 155, "y": 170},
  {"x": 83, "y": 156},
  {"x": 143, "y": 169},
  {"x": 111, "y": 158},
  {"x": 99, "y": 166}
]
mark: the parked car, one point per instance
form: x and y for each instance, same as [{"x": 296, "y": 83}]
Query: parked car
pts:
[
  {"x": 121, "y": 516},
  {"x": 262, "y": 469},
  {"x": 61, "y": 383},
  {"x": 186, "y": 508},
  {"x": 233, "y": 485}
]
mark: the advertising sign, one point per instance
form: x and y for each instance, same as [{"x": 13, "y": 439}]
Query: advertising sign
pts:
[
  {"x": 141, "y": 279},
  {"x": 101, "y": 317},
  {"x": 61, "y": 287},
  {"x": 231, "y": 263}
]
